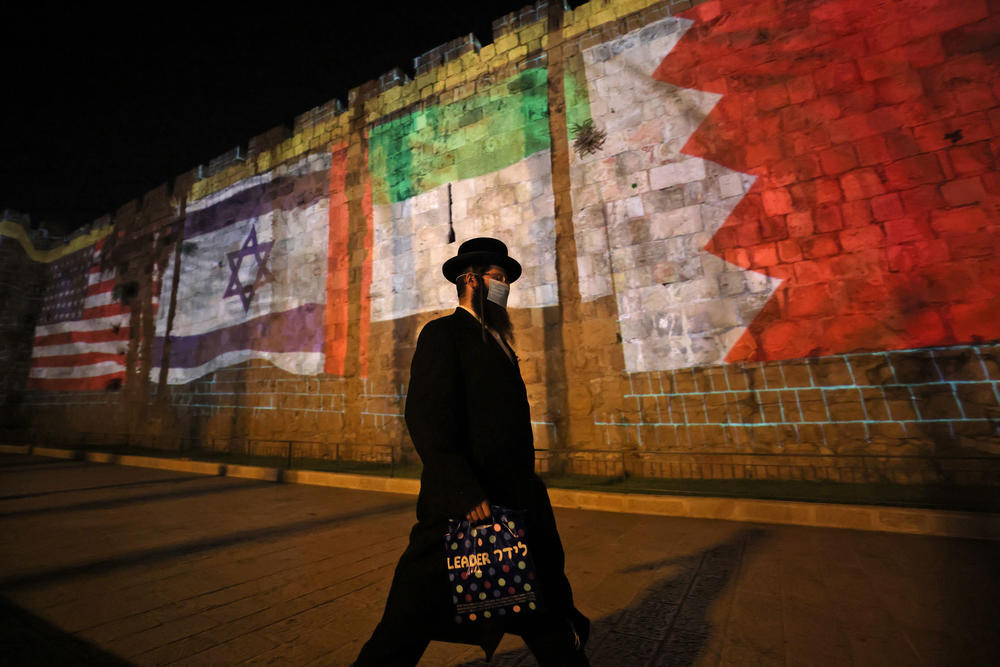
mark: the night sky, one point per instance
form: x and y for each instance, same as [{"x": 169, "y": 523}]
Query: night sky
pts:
[{"x": 100, "y": 107}]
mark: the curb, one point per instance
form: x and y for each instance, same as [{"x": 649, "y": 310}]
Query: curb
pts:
[
  {"x": 312, "y": 477},
  {"x": 912, "y": 521}
]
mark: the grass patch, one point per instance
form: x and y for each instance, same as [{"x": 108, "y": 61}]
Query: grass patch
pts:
[
  {"x": 374, "y": 468},
  {"x": 933, "y": 496}
]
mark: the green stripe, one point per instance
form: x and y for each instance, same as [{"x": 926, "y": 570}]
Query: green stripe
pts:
[{"x": 495, "y": 128}]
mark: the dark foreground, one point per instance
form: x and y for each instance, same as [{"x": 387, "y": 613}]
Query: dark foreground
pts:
[{"x": 107, "y": 565}]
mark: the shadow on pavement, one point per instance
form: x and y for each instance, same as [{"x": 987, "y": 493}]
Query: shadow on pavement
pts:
[
  {"x": 26, "y": 639},
  {"x": 159, "y": 554},
  {"x": 41, "y": 464},
  {"x": 666, "y": 624},
  {"x": 131, "y": 501},
  {"x": 148, "y": 482}
]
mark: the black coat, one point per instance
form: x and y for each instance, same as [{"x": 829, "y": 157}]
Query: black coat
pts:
[{"x": 468, "y": 415}]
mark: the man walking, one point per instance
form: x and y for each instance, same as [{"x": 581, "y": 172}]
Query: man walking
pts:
[{"x": 468, "y": 416}]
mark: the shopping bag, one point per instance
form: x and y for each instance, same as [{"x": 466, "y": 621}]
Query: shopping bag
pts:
[{"x": 490, "y": 566}]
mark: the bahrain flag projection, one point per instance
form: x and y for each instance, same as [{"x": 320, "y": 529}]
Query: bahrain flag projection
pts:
[
  {"x": 643, "y": 212},
  {"x": 870, "y": 129}
]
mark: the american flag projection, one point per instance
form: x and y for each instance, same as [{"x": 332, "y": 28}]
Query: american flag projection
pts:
[{"x": 82, "y": 336}]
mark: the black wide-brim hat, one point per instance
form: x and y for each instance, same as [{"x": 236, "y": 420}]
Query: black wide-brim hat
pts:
[{"x": 482, "y": 251}]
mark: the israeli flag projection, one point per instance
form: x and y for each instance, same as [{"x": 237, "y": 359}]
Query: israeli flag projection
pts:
[{"x": 252, "y": 276}]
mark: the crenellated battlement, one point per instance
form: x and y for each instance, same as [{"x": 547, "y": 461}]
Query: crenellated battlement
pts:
[{"x": 447, "y": 73}]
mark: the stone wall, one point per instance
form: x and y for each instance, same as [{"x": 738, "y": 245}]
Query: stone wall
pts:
[
  {"x": 21, "y": 285},
  {"x": 758, "y": 241}
]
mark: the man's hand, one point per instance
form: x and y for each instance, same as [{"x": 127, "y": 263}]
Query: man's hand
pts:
[{"x": 479, "y": 512}]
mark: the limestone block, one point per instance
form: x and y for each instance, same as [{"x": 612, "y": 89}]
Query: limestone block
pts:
[
  {"x": 682, "y": 171},
  {"x": 676, "y": 222}
]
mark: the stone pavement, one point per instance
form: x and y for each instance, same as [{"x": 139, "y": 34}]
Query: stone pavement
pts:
[{"x": 102, "y": 564}]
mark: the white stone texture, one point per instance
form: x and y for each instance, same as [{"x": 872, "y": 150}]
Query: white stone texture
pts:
[
  {"x": 644, "y": 211},
  {"x": 297, "y": 261},
  {"x": 514, "y": 204}
]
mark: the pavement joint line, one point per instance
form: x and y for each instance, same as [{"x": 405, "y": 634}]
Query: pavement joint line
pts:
[
  {"x": 663, "y": 643},
  {"x": 888, "y": 519},
  {"x": 196, "y": 596},
  {"x": 281, "y": 619}
]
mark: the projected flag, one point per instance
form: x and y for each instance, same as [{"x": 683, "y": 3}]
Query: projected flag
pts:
[
  {"x": 81, "y": 339},
  {"x": 253, "y": 276},
  {"x": 446, "y": 173}
]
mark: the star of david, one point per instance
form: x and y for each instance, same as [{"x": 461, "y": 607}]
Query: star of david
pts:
[{"x": 260, "y": 252}]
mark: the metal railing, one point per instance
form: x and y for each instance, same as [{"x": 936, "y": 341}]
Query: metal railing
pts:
[
  {"x": 794, "y": 466},
  {"x": 287, "y": 453}
]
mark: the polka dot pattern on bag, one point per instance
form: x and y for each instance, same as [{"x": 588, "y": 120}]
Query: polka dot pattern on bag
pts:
[{"x": 489, "y": 569}]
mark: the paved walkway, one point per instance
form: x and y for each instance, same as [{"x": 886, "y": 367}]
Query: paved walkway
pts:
[{"x": 101, "y": 564}]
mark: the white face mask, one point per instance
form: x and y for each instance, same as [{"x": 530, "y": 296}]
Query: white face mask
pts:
[{"x": 498, "y": 293}]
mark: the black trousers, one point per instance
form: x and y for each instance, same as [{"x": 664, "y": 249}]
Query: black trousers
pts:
[{"x": 550, "y": 639}]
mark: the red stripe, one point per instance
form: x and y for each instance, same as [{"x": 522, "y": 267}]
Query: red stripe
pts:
[
  {"x": 364, "y": 325},
  {"x": 103, "y": 311},
  {"x": 82, "y": 337},
  {"x": 101, "y": 287},
  {"x": 338, "y": 266},
  {"x": 75, "y": 384},
  {"x": 72, "y": 360}
]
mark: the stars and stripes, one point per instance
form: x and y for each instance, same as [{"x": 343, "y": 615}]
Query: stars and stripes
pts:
[{"x": 82, "y": 336}]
